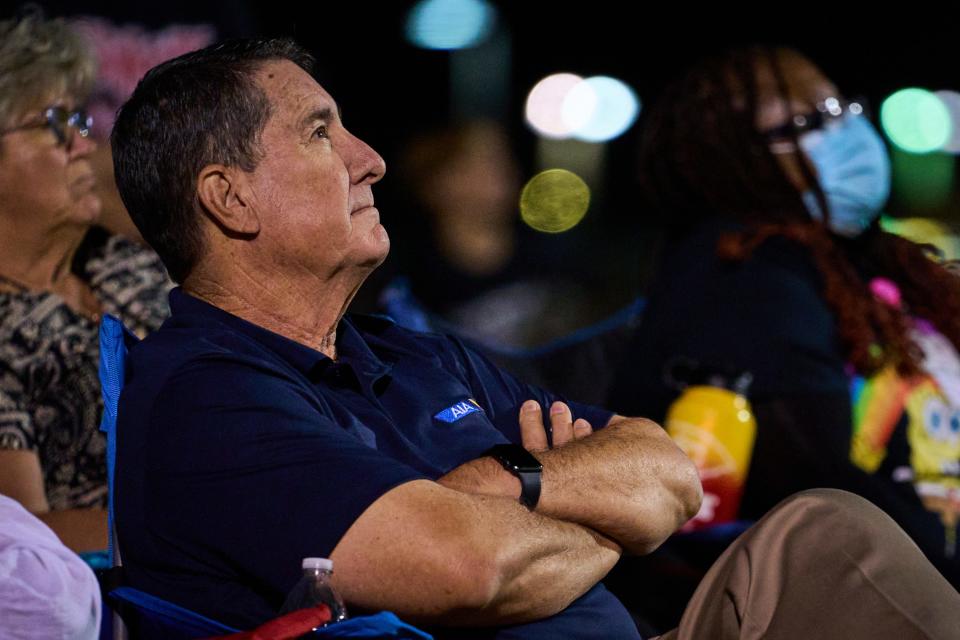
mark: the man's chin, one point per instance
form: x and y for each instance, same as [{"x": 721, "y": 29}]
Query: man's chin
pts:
[{"x": 383, "y": 250}]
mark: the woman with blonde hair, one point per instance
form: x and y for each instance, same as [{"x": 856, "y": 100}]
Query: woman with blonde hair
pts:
[{"x": 59, "y": 273}]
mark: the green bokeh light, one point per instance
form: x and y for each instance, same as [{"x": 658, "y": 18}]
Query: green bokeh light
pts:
[{"x": 916, "y": 120}]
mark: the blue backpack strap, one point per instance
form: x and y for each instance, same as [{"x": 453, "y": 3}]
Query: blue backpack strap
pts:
[{"x": 114, "y": 339}]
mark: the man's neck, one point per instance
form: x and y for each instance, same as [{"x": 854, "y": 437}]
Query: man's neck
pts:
[{"x": 306, "y": 310}]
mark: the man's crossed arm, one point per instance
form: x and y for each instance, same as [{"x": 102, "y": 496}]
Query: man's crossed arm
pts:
[{"x": 464, "y": 551}]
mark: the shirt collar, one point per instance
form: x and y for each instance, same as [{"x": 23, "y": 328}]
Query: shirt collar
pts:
[{"x": 352, "y": 348}]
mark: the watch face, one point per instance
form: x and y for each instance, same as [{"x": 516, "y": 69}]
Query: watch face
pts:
[{"x": 517, "y": 458}]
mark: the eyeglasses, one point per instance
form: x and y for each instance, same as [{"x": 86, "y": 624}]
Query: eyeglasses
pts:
[
  {"x": 61, "y": 122},
  {"x": 826, "y": 112}
]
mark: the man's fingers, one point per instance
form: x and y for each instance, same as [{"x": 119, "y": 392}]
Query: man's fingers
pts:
[
  {"x": 581, "y": 428},
  {"x": 561, "y": 421},
  {"x": 532, "y": 434}
]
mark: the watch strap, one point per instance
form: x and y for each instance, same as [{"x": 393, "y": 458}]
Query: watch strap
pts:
[{"x": 529, "y": 488}]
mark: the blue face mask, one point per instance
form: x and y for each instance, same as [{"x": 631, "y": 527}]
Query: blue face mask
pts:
[{"x": 854, "y": 173}]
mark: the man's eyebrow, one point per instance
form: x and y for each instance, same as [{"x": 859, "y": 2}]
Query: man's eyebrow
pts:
[{"x": 324, "y": 113}]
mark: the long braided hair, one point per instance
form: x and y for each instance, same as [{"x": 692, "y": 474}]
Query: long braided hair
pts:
[{"x": 703, "y": 156}]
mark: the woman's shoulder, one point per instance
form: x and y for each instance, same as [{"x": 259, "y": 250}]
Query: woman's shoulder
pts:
[
  {"x": 26, "y": 316},
  {"x": 105, "y": 256},
  {"x": 128, "y": 278}
]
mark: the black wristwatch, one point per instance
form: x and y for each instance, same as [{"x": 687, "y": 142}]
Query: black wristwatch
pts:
[{"x": 522, "y": 464}]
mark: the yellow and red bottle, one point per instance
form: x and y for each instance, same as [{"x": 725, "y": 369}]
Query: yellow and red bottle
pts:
[{"x": 714, "y": 425}]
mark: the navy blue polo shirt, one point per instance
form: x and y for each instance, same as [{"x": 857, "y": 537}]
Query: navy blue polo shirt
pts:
[{"x": 240, "y": 452}]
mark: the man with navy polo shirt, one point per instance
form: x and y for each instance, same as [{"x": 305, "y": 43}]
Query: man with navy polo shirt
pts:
[{"x": 261, "y": 425}]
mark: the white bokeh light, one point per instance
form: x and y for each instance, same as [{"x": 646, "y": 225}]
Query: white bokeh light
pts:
[
  {"x": 544, "y": 108},
  {"x": 600, "y": 109},
  {"x": 951, "y": 100},
  {"x": 580, "y": 106}
]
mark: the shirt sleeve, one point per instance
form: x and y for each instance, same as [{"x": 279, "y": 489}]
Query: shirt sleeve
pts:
[
  {"x": 254, "y": 475},
  {"x": 43, "y": 585},
  {"x": 501, "y": 393},
  {"x": 16, "y": 425}
]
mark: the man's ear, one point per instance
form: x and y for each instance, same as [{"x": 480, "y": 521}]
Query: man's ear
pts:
[{"x": 225, "y": 195}]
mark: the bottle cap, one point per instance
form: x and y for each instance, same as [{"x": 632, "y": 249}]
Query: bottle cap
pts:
[{"x": 318, "y": 563}]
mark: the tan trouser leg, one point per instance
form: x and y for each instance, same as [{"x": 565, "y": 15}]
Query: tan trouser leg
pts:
[{"x": 823, "y": 564}]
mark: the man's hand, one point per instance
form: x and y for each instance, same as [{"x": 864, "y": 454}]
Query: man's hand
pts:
[
  {"x": 629, "y": 481},
  {"x": 563, "y": 428}
]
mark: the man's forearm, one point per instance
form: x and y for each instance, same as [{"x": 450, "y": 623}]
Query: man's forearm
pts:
[
  {"x": 628, "y": 481},
  {"x": 545, "y": 565},
  {"x": 488, "y": 560}
]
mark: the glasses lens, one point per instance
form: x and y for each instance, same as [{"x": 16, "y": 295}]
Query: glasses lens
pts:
[
  {"x": 61, "y": 122},
  {"x": 80, "y": 121},
  {"x": 57, "y": 120}
]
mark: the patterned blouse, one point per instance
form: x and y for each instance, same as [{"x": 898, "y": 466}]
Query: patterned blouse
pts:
[{"x": 49, "y": 356}]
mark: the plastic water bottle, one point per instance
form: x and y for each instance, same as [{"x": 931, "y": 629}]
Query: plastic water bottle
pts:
[{"x": 314, "y": 589}]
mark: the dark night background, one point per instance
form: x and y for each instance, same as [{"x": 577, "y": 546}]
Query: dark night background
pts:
[{"x": 389, "y": 89}]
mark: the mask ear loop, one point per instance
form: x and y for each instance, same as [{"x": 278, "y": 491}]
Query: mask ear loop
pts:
[{"x": 805, "y": 168}]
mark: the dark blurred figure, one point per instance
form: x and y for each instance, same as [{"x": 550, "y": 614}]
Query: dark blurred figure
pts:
[
  {"x": 469, "y": 261},
  {"x": 771, "y": 183}
]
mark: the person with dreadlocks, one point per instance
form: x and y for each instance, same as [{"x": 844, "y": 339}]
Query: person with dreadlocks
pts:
[{"x": 776, "y": 264}]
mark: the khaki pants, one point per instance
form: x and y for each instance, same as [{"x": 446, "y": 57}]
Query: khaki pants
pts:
[{"x": 823, "y": 564}]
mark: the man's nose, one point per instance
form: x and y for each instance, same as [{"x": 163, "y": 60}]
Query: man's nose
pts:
[{"x": 367, "y": 166}]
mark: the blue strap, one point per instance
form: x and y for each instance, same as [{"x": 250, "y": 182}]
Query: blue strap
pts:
[
  {"x": 169, "y": 616},
  {"x": 404, "y": 308},
  {"x": 381, "y": 625},
  {"x": 113, "y": 354},
  {"x": 623, "y": 317},
  {"x": 174, "y": 618}
]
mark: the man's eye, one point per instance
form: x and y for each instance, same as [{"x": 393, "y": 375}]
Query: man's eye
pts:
[{"x": 321, "y": 132}]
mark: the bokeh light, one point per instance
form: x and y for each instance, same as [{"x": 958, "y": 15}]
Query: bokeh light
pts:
[
  {"x": 951, "y": 100},
  {"x": 554, "y": 201},
  {"x": 600, "y": 108},
  {"x": 544, "y": 108},
  {"x": 450, "y": 24},
  {"x": 595, "y": 109},
  {"x": 916, "y": 120}
]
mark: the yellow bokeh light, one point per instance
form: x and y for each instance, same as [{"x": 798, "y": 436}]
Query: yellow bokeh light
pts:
[{"x": 554, "y": 201}]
